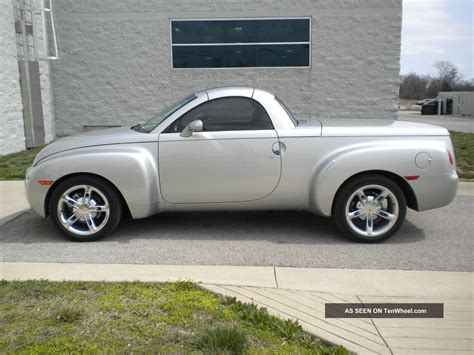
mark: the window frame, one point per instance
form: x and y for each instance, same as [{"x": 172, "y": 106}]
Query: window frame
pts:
[
  {"x": 166, "y": 130},
  {"x": 309, "y": 42}
]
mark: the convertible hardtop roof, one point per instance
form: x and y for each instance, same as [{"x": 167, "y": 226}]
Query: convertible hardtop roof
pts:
[{"x": 244, "y": 91}]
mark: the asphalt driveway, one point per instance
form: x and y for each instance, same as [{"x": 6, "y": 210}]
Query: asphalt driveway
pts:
[
  {"x": 433, "y": 240},
  {"x": 453, "y": 123}
]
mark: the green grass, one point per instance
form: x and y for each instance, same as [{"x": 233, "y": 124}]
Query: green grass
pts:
[
  {"x": 86, "y": 317},
  {"x": 13, "y": 166},
  {"x": 464, "y": 150},
  {"x": 221, "y": 338}
]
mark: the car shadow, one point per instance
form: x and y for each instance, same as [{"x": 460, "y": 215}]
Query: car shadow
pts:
[{"x": 279, "y": 227}]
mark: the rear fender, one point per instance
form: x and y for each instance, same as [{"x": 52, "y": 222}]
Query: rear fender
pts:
[{"x": 395, "y": 157}]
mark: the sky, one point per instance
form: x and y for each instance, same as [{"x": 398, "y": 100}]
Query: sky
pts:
[{"x": 437, "y": 30}]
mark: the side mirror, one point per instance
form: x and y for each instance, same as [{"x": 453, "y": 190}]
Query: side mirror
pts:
[{"x": 193, "y": 126}]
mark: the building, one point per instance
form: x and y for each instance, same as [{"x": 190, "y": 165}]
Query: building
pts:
[
  {"x": 122, "y": 61},
  {"x": 26, "y": 102},
  {"x": 459, "y": 103}
]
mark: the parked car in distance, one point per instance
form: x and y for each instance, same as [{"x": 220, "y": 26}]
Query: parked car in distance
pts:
[
  {"x": 239, "y": 148},
  {"x": 430, "y": 107},
  {"x": 421, "y": 102}
]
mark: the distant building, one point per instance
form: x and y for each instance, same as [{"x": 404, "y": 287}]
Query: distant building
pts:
[
  {"x": 459, "y": 103},
  {"x": 122, "y": 61}
]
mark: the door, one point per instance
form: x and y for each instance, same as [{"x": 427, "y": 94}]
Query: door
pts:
[{"x": 231, "y": 160}]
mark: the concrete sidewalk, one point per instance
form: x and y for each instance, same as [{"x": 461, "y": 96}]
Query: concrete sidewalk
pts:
[
  {"x": 12, "y": 200},
  {"x": 301, "y": 294}
]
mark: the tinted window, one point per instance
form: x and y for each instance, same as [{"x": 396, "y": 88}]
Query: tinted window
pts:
[
  {"x": 197, "y": 57},
  {"x": 240, "y": 56},
  {"x": 197, "y": 32},
  {"x": 226, "y": 114},
  {"x": 244, "y": 31},
  {"x": 240, "y": 43},
  {"x": 296, "y": 55},
  {"x": 283, "y": 31}
]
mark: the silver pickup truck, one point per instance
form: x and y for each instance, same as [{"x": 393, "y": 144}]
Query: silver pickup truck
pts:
[{"x": 238, "y": 148}]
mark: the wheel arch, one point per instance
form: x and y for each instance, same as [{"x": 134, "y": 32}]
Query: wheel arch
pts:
[
  {"x": 400, "y": 181},
  {"x": 97, "y": 176}
]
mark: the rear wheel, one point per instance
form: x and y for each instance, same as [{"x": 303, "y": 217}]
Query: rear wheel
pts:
[
  {"x": 370, "y": 208},
  {"x": 85, "y": 208}
]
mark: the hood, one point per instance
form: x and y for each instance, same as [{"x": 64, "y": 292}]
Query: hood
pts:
[
  {"x": 369, "y": 127},
  {"x": 118, "y": 135}
]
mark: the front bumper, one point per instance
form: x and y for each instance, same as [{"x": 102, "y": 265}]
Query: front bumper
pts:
[{"x": 35, "y": 193}]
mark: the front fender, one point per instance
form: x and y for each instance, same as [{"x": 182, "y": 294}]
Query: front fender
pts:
[
  {"x": 131, "y": 168},
  {"x": 396, "y": 157}
]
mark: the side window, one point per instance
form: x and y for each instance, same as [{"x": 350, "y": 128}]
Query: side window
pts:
[{"x": 226, "y": 114}]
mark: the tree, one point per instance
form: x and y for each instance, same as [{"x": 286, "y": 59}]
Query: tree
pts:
[
  {"x": 448, "y": 75},
  {"x": 465, "y": 85},
  {"x": 414, "y": 86}
]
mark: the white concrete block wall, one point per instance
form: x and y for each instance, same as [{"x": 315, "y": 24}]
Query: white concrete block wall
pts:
[
  {"x": 12, "y": 134},
  {"x": 116, "y": 64}
]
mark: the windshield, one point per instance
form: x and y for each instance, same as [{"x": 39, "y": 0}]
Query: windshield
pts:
[{"x": 164, "y": 114}]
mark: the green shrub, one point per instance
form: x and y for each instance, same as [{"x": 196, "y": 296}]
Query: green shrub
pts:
[
  {"x": 68, "y": 314},
  {"x": 290, "y": 330},
  {"x": 221, "y": 338}
]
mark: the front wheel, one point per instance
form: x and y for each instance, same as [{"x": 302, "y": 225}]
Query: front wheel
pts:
[
  {"x": 85, "y": 208},
  {"x": 370, "y": 208}
]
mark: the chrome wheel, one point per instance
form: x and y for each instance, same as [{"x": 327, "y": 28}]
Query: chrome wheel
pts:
[
  {"x": 372, "y": 210},
  {"x": 83, "y": 210}
]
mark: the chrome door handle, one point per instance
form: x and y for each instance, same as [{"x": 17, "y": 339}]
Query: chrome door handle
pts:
[{"x": 276, "y": 148}]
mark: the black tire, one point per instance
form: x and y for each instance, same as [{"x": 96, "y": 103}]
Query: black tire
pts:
[
  {"x": 105, "y": 188},
  {"x": 346, "y": 193}
]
